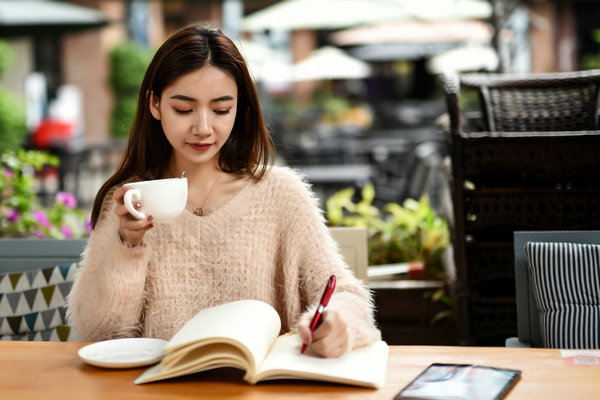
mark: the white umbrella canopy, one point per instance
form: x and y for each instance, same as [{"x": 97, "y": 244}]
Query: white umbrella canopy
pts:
[
  {"x": 415, "y": 32},
  {"x": 321, "y": 14},
  {"x": 256, "y": 56},
  {"x": 25, "y": 17},
  {"x": 437, "y": 10},
  {"x": 335, "y": 14},
  {"x": 464, "y": 59},
  {"x": 330, "y": 63},
  {"x": 265, "y": 65}
]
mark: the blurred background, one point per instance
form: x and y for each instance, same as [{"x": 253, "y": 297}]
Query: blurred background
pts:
[
  {"x": 348, "y": 86},
  {"x": 350, "y": 90}
]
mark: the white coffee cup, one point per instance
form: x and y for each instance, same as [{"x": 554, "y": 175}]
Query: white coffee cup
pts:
[{"x": 163, "y": 199}]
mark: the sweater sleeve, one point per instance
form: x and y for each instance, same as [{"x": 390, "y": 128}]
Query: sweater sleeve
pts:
[
  {"x": 107, "y": 298},
  {"x": 316, "y": 255}
]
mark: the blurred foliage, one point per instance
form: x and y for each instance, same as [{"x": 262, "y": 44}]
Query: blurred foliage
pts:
[
  {"x": 20, "y": 212},
  {"x": 12, "y": 122},
  {"x": 123, "y": 115},
  {"x": 324, "y": 109},
  {"x": 12, "y": 111},
  {"x": 591, "y": 61},
  {"x": 401, "y": 233},
  {"x": 338, "y": 110},
  {"x": 7, "y": 56},
  {"x": 128, "y": 62}
]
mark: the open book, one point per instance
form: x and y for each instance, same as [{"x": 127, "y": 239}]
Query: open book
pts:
[{"x": 244, "y": 334}]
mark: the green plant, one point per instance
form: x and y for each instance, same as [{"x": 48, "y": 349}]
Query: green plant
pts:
[
  {"x": 12, "y": 113},
  {"x": 7, "y": 56},
  {"x": 12, "y": 122},
  {"x": 21, "y": 214},
  {"x": 400, "y": 233},
  {"x": 128, "y": 65}
]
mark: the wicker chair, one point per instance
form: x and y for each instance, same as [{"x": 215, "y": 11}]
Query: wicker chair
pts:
[
  {"x": 526, "y": 160},
  {"x": 537, "y": 102}
]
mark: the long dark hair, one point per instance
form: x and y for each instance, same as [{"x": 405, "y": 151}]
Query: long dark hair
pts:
[{"x": 249, "y": 148}]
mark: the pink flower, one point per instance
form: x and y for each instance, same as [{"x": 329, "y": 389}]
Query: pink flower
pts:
[
  {"x": 88, "y": 224},
  {"x": 68, "y": 199},
  {"x": 12, "y": 215},
  {"x": 66, "y": 231},
  {"x": 9, "y": 173},
  {"x": 41, "y": 218},
  {"x": 39, "y": 234}
]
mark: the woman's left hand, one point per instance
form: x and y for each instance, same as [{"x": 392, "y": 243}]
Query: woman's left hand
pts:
[{"x": 330, "y": 339}]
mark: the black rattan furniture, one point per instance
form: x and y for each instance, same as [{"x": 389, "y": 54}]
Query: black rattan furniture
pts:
[
  {"x": 537, "y": 102},
  {"x": 542, "y": 174}
]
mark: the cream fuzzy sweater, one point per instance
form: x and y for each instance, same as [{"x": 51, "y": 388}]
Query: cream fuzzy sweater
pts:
[{"x": 269, "y": 243}]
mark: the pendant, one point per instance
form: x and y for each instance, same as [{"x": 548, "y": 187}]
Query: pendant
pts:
[{"x": 199, "y": 212}]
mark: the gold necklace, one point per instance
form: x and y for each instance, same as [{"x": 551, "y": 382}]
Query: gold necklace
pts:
[{"x": 200, "y": 210}]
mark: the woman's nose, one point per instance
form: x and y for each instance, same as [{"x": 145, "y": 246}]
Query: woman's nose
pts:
[{"x": 202, "y": 123}]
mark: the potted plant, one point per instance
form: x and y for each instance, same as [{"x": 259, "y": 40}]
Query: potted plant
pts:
[
  {"x": 12, "y": 111},
  {"x": 21, "y": 214},
  {"x": 411, "y": 232},
  {"x": 128, "y": 62},
  {"x": 400, "y": 233}
]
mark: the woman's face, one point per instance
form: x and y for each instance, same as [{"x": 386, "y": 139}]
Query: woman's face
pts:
[{"x": 197, "y": 113}]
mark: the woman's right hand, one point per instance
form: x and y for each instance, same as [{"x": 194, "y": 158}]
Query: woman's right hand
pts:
[{"x": 131, "y": 229}]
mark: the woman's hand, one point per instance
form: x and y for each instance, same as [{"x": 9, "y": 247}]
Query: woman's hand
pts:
[
  {"x": 131, "y": 229},
  {"x": 330, "y": 339}
]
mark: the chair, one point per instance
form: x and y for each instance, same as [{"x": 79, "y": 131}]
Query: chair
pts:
[
  {"x": 36, "y": 276},
  {"x": 528, "y": 315},
  {"x": 352, "y": 242},
  {"x": 537, "y": 102},
  {"x": 525, "y": 159}
]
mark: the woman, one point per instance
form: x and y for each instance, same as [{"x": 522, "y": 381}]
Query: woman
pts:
[{"x": 248, "y": 231}]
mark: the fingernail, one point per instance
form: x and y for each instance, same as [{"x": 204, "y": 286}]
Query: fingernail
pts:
[
  {"x": 150, "y": 218},
  {"x": 138, "y": 204}
]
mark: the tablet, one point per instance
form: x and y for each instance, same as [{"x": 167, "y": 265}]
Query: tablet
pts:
[{"x": 460, "y": 381}]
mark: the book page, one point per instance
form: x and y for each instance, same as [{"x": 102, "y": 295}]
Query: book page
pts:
[
  {"x": 250, "y": 325},
  {"x": 362, "y": 367}
]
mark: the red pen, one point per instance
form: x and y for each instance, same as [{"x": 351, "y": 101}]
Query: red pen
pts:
[{"x": 322, "y": 304}]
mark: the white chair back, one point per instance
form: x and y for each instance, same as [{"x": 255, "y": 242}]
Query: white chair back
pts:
[{"x": 352, "y": 242}]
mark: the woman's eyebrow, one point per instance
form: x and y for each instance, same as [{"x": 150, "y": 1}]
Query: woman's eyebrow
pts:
[
  {"x": 222, "y": 98},
  {"x": 182, "y": 97},
  {"x": 193, "y": 100}
]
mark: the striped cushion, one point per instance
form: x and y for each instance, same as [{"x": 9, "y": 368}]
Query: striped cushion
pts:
[
  {"x": 565, "y": 280},
  {"x": 32, "y": 303}
]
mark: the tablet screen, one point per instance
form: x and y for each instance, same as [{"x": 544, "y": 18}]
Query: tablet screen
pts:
[{"x": 460, "y": 381}]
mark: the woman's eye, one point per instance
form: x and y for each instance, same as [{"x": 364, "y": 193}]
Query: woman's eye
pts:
[
  {"x": 222, "y": 112},
  {"x": 178, "y": 111}
]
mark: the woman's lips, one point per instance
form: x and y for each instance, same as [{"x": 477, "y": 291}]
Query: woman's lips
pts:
[{"x": 200, "y": 146}]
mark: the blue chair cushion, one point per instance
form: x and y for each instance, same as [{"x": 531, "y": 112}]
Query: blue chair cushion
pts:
[
  {"x": 565, "y": 281},
  {"x": 33, "y": 303}
]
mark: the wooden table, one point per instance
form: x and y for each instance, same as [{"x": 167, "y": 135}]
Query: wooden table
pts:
[{"x": 51, "y": 370}]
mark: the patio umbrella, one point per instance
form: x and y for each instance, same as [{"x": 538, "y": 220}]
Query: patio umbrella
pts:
[
  {"x": 415, "y": 32},
  {"x": 463, "y": 59},
  {"x": 321, "y": 14},
  {"x": 335, "y": 14},
  {"x": 439, "y": 10},
  {"x": 265, "y": 65},
  {"x": 26, "y": 17},
  {"x": 329, "y": 63}
]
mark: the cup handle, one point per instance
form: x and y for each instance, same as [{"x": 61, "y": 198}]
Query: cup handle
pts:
[{"x": 130, "y": 196}]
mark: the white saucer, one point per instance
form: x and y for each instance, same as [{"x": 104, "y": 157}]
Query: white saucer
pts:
[{"x": 123, "y": 353}]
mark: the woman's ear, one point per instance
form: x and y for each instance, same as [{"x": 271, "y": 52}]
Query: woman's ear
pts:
[{"x": 154, "y": 106}]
